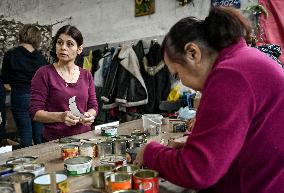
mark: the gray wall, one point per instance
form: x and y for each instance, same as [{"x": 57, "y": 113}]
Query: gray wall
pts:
[{"x": 104, "y": 21}]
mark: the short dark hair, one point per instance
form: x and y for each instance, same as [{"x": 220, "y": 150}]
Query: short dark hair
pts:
[
  {"x": 30, "y": 34},
  {"x": 221, "y": 28}
]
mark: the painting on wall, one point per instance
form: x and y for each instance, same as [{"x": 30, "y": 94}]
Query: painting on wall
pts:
[{"x": 144, "y": 7}]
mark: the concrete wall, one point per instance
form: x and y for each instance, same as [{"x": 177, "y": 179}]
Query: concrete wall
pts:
[{"x": 104, "y": 21}]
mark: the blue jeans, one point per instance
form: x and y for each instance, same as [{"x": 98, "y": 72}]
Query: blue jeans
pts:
[
  {"x": 29, "y": 131},
  {"x": 3, "y": 111}
]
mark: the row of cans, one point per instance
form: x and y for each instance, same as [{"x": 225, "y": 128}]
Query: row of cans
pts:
[{"x": 117, "y": 145}]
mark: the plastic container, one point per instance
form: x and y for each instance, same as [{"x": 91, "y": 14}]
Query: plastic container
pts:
[{"x": 152, "y": 123}]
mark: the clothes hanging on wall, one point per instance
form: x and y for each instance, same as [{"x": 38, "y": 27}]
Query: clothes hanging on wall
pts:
[{"x": 155, "y": 74}]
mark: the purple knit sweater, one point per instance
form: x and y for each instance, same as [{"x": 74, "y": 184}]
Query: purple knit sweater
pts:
[
  {"x": 49, "y": 93},
  {"x": 237, "y": 144}
]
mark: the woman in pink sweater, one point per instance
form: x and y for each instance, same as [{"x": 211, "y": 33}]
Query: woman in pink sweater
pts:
[{"x": 236, "y": 145}]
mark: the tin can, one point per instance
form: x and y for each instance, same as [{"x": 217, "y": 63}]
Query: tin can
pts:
[
  {"x": 36, "y": 169},
  {"x": 77, "y": 166},
  {"x": 99, "y": 175},
  {"x": 127, "y": 191},
  {"x": 131, "y": 154},
  {"x": 104, "y": 148},
  {"x": 42, "y": 184},
  {"x": 86, "y": 191},
  {"x": 113, "y": 160},
  {"x": 109, "y": 131},
  {"x": 70, "y": 150},
  {"x": 21, "y": 160},
  {"x": 6, "y": 169},
  {"x": 6, "y": 188},
  {"x": 88, "y": 149},
  {"x": 118, "y": 181},
  {"x": 130, "y": 169},
  {"x": 119, "y": 146},
  {"x": 25, "y": 179},
  {"x": 146, "y": 181}
]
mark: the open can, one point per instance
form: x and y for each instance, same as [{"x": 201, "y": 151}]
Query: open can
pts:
[
  {"x": 76, "y": 166},
  {"x": 99, "y": 175},
  {"x": 118, "y": 181},
  {"x": 42, "y": 184},
  {"x": 25, "y": 180},
  {"x": 146, "y": 181},
  {"x": 70, "y": 150}
]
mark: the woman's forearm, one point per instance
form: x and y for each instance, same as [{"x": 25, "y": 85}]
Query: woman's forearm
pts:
[{"x": 48, "y": 117}]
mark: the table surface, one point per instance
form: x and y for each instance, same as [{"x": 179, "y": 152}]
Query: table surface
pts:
[{"x": 50, "y": 154}]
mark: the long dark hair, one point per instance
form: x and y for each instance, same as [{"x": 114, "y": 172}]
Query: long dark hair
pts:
[{"x": 222, "y": 27}]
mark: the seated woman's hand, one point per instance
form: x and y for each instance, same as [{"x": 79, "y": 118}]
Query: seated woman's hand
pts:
[
  {"x": 88, "y": 119},
  {"x": 69, "y": 119}
]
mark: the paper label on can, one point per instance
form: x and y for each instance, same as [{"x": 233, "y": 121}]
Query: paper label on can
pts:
[{"x": 78, "y": 169}]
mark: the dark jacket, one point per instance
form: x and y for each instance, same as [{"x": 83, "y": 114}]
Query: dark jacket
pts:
[
  {"x": 19, "y": 66},
  {"x": 157, "y": 79},
  {"x": 124, "y": 85}
]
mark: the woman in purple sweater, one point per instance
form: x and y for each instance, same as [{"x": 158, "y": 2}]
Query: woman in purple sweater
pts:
[
  {"x": 62, "y": 94},
  {"x": 236, "y": 145}
]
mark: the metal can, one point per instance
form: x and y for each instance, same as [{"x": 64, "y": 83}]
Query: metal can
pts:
[
  {"x": 88, "y": 149},
  {"x": 6, "y": 169},
  {"x": 113, "y": 160},
  {"x": 146, "y": 181},
  {"x": 109, "y": 131},
  {"x": 118, "y": 181},
  {"x": 42, "y": 184},
  {"x": 119, "y": 146},
  {"x": 25, "y": 179},
  {"x": 21, "y": 160},
  {"x": 36, "y": 169},
  {"x": 137, "y": 134},
  {"x": 6, "y": 187},
  {"x": 104, "y": 148},
  {"x": 86, "y": 191},
  {"x": 130, "y": 169},
  {"x": 79, "y": 165},
  {"x": 99, "y": 175},
  {"x": 70, "y": 150},
  {"x": 127, "y": 191}
]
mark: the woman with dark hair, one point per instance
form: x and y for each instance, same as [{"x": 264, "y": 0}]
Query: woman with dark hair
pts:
[
  {"x": 63, "y": 95},
  {"x": 236, "y": 143},
  {"x": 19, "y": 66}
]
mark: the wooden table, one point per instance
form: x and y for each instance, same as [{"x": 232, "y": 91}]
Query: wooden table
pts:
[{"x": 50, "y": 154}]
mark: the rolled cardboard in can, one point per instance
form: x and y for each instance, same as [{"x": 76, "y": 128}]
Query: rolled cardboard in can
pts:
[
  {"x": 24, "y": 179},
  {"x": 36, "y": 169},
  {"x": 42, "y": 183},
  {"x": 99, "y": 175},
  {"x": 146, "y": 181},
  {"x": 76, "y": 166},
  {"x": 70, "y": 150},
  {"x": 118, "y": 181}
]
